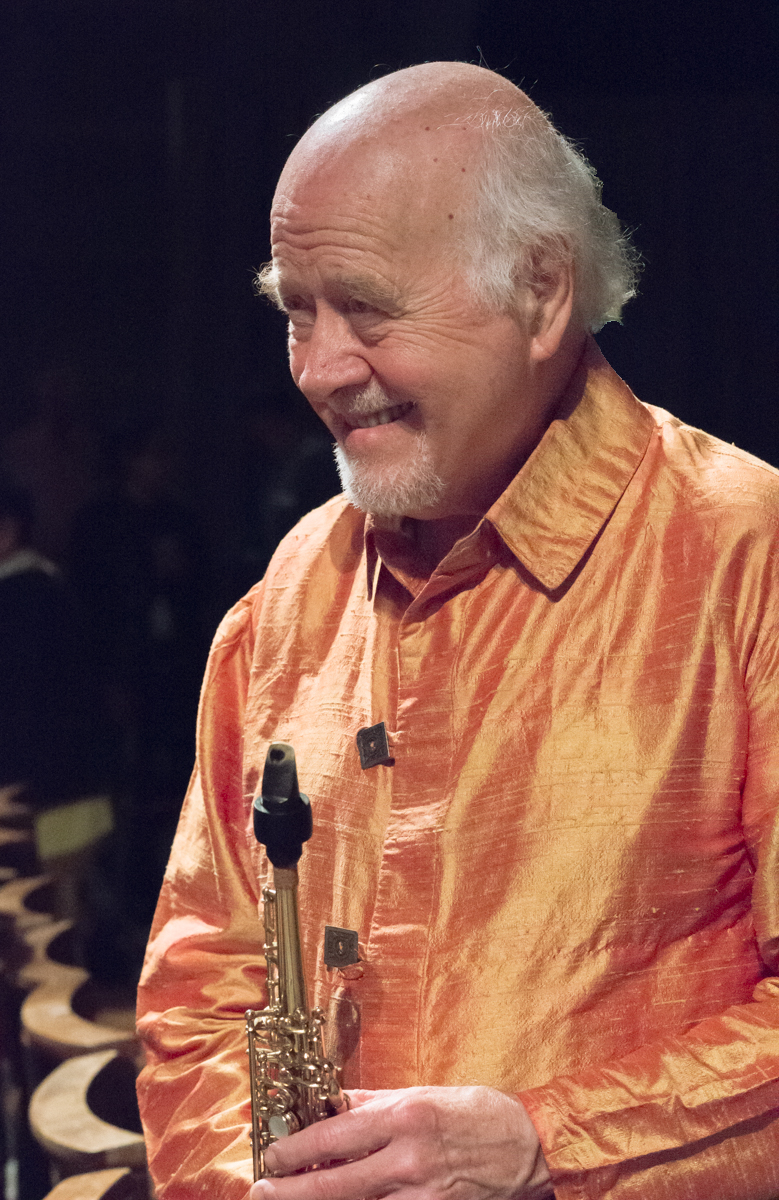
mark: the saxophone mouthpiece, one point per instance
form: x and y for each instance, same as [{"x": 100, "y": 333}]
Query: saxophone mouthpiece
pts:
[
  {"x": 282, "y": 814},
  {"x": 280, "y": 775}
]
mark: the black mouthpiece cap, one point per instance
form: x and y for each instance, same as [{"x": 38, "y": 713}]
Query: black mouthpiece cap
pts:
[{"x": 282, "y": 815}]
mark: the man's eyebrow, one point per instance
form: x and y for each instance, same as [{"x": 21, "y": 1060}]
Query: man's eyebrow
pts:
[
  {"x": 371, "y": 290},
  {"x": 355, "y": 286}
]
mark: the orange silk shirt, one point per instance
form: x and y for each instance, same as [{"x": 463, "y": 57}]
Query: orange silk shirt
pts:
[{"x": 565, "y": 883}]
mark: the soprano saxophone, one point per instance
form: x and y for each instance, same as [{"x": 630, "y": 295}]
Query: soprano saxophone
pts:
[{"x": 292, "y": 1083}]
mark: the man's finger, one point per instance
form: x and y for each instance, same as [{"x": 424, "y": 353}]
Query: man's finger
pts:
[
  {"x": 365, "y": 1179},
  {"x": 351, "y": 1134}
]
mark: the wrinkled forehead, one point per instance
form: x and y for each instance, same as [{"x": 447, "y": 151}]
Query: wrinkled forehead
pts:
[{"x": 417, "y": 176}]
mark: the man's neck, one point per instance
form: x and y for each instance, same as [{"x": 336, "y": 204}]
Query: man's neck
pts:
[{"x": 434, "y": 539}]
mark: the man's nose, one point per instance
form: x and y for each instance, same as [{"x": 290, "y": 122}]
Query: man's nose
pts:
[{"x": 331, "y": 357}]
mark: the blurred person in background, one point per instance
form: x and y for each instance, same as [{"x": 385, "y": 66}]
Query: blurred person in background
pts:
[
  {"x": 49, "y": 730},
  {"x": 288, "y": 469},
  {"x": 139, "y": 567},
  {"x": 52, "y": 454}
]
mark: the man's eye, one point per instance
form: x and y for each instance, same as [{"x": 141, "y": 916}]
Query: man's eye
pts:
[
  {"x": 360, "y": 307},
  {"x": 293, "y": 304}
]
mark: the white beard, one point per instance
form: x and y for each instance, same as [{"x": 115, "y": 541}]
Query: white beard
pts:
[{"x": 396, "y": 491}]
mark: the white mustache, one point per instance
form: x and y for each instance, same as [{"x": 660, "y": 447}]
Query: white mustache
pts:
[{"x": 369, "y": 399}]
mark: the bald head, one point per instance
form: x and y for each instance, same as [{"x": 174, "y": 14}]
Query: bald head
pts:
[
  {"x": 414, "y": 140},
  {"x": 463, "y": 156},
  {"x": 435, "y": 98},
  {"x": 455, "y": 88}
]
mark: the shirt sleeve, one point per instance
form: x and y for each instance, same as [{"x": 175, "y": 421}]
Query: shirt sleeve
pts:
[
  {"x": 204, "y": 965},
  {"x": 694, "y": 1115}
]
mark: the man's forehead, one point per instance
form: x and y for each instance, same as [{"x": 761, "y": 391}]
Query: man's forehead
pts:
[
  {"x": 418, "y": 158},
  {"x": 374, "y": 201},
  {"x": 353, "y": 246},
  {"x": 330, "y": 225}
]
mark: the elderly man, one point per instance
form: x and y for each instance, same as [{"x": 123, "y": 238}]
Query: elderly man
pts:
[{"x": 560, "y": 603}]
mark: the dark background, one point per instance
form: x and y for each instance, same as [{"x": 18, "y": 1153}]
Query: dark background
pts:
[
  {"x": 141, "y": 142},
  {"x": 142, "y": 139}
]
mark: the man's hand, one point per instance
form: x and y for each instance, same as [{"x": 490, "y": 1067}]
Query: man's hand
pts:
[{"x": 467, "y": 1143}]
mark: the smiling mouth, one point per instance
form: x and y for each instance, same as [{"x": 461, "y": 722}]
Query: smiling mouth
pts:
[{"x": 382, "y": 417}]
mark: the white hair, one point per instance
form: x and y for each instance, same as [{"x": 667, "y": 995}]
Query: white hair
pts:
[{"x": 538, "y": 203}]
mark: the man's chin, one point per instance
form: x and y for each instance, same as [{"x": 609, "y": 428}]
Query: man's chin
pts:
[
  {"x": 382, "y": 507},
  {"x": 415, "y": 491}
]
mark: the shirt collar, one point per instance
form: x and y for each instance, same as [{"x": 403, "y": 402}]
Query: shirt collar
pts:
[{"x": 554, "y": 507}]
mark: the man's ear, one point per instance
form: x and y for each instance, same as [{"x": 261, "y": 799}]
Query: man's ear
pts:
[{"x": 551, "y": 287}]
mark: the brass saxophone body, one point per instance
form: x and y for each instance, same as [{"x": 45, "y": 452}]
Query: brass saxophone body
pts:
[{"x": 292, "y": 1083}]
